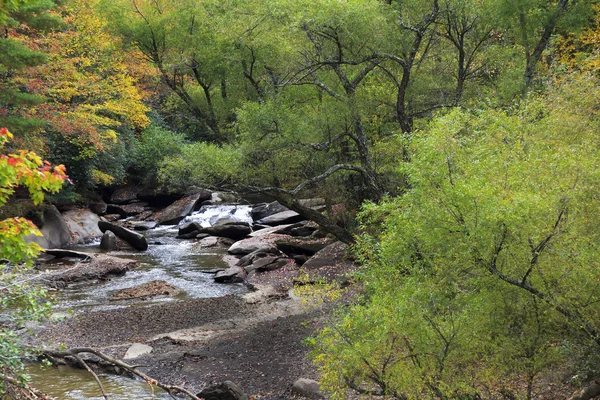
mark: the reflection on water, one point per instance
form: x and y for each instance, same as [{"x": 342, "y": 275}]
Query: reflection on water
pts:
[{"x": 77, "y": 384}]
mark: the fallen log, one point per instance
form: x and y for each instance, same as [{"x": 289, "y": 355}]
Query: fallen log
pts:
[{"x": 75, "y": 353}]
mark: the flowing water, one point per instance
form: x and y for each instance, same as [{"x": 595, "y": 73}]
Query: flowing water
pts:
[{"x": 180, "y": 262}]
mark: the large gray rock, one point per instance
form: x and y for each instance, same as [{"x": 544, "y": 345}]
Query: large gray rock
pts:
[
  {"x": 307, "y": 388},
  {"x": 232, "y": 230},
  {"x": 263, "y": 210},
  {"x": 183, "y": 207},
  {"x": 281, "y": 218},
  {"x": 136, "y": 240},
  {"x": 230, "y": 275},
  {"x": 223, "y": 391},
  {"x": 55, "y": 231},
  {"x": 109, "y": 241},
  {"x": 144, "y": 226},
  {"x": 82, "y": 224},
  {"x": 190, "y": 227},
  {"x": 268, "y": 264},
  {"x": 309, "y": 247},
  {"x": 250, "y": 245},
  {"x": 326, "y": 257}
]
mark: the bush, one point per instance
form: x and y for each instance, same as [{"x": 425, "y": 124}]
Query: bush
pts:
[{"x": 155, "y": 145}]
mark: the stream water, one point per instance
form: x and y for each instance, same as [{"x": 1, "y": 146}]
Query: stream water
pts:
[{"x": 179, "y": 262}]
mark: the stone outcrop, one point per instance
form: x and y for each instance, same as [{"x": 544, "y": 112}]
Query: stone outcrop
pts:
[
  {"x": 55, "y": 230},
  {"x": 136, "y": 240}
]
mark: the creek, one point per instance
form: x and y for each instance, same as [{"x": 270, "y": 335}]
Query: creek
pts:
[{"x": 179, "y": 262}]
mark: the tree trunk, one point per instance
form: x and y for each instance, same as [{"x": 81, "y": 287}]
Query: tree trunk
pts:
[{"x": 324, "y": 222}]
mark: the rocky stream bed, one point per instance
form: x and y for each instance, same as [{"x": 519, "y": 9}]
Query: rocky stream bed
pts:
[{"x": 209, "y": 300}]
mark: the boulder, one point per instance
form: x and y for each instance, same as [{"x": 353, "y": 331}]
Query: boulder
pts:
[
  {"x": 136, "y": 350},
  {"x": 189, "y": 228},
  {"x": 263, "y": 210},
  {"x": 125, "y": 195},
  {"x": 293, "y": 246},
  {"x": 265, "y": 231},
  {"x": 144, "y": 226},
  {"x": 230, "y": 275},
  {"x": 255, "y": 255},
  {"x": 191, "y": 235},
  {"x": 83, "y": 225},
  {"x": 183, "y": 207},
  {"x": 138, "y": 241},
  {"x": 98, "y": 207},
  {"x": 55, "y": 231},
  {"x": 302, "y": 231},
  {"x": 232, "y": 230},
  {"x": 109, "y": 241},
  {"x": 249, "y": 245},
  {"x": 223, "y": 391},
  {"x": 281, "y": 218},
  {"x": 307, "y": 388},
  {"x": 328, "y": 256},
  {"x": 268, "y": 264}
]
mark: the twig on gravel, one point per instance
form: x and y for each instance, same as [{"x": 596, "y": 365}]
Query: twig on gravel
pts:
[{"x": 75, "y": 354}]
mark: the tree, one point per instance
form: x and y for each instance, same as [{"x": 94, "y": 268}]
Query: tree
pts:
[
  {"x": 20, "y": 21},
  {"x": 93, "y": 106},
  {"x": 481, "y": 274},
  {"x": 20, "y": 300}
]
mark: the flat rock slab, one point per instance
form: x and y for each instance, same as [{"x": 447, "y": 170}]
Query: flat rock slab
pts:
[
  {"x": 252, "y": 244},
  {"x": 281, "y": 218},
  {"x": 61, "y": 253},
  {"x": 99, "y": 267},
  {"x": 136, "y": 350},
  {"x": 146, "y": 290}
]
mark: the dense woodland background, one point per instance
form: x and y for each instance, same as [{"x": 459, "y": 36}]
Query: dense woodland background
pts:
[{"x": 455, "y": 142}]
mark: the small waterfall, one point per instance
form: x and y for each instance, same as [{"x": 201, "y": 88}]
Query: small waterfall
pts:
[{"x": 209, "y": 215}]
